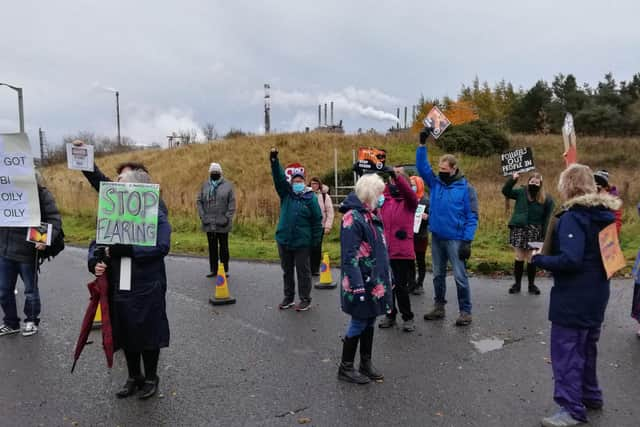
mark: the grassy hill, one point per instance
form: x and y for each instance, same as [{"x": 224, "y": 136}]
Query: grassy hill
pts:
[{"x": 181, "y": 171}]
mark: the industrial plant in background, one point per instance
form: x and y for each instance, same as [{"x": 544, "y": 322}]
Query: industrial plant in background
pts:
[
  {"x": 395, "y": 130},
  {"x": 328, "y": 127}
]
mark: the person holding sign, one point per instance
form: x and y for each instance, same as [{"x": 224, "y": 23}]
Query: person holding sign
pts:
[
  {"x": 299, "y": 230},
  {"x": 579, "y": 295},
  {"x": 453, "y": 220},
  {"x": 216, "y": 205},
  {"x": 19, "y": 257},
  {"x": 137, "y": 307},
  {"x": 528, "y": 224}
]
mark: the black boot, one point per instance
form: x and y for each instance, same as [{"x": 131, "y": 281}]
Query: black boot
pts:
[
  {"x": 518, "y": 269},
  {"x": 531, "y": 275},
  {"x": 130, "y": 387},
  {"x": 347, "y": 372},
  {"x": 366, "y": 347}
]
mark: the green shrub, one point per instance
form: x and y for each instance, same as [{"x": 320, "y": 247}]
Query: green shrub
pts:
[{"x": 477, "y": 138}]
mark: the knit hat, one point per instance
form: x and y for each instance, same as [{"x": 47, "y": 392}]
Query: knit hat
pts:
[
  {"x": 215, "y": 167},
  {"x": 602, "y": 178}
]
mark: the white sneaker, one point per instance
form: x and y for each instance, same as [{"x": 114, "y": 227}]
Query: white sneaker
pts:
[
  {"x": 7, "y": 330},
  {"x": 29, "y": 329}
]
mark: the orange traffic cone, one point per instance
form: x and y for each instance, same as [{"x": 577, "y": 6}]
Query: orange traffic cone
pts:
[
  {"x": 97, "y": 320},
  {"x": 222, "y": 297},
  {"x": 326, "y": 281}
]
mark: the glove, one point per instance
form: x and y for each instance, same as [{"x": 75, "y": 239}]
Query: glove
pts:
[
  {"x": 464, "y": 252},
  {"x": 424, "y": 134},
  {"x": 120, "y": 251},
  {"x": 273, "y": 155}
]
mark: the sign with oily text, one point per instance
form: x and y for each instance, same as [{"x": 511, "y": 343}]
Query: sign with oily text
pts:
[
  {"x": 80, "y": 157},
  {"x": 610, "y": 251},
  {"x": 19, "y": 201},
  {"x": 293, "y": 169},
  {"x": 370, "y": 160},
  {"x": 128, "y": 213},
  {"x": 436, "y": 121},
  {"x": 517, "y": 161}
]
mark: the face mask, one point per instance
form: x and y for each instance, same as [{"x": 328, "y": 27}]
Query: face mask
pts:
[
  {"x": 533, "y": 189},
  {"x": 215, "y": 176},
  {"x": 380, "y": 201},
  {"x": 445, "y": 176},
  {"x": 298, "y": 187},
  {"x": 414, "y": 188}
]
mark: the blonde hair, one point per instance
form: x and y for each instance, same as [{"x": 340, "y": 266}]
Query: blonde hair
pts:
[
  {"x": 541, "y": 196},
  {"x": 450, "y": 159},
  {"x": 368, "y": 188},
  {"x": 576, "y": 180}
]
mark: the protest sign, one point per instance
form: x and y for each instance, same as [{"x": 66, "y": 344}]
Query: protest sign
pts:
[
  {"x": 19, "y": 201},
  {"x": 128, "y": 213},
  {"x": 80, "y": 157},
  {"x": 569, "y": 139},
  {"x": 437, "y": 121},
  {"x": 610, "y": 251},
  {"x": 293, "y": 169},
  {"x": 41, "y": 234},
  {"x": 417, "y": 219},
  {"x": 370, "y": 160},
  {"x": 517, "y": 161}
]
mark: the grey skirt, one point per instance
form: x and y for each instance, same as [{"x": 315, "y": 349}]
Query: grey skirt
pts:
[{"x": 519, "y": 237}]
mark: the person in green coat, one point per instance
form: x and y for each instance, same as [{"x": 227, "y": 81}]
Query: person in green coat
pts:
[
  {"x": 299, "y": 230},
  {"x": 528, "y": 224}
]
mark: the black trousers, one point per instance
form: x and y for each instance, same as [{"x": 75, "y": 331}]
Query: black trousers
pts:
[
  {"x": 316, "y": 258},
  {"x": 402, "y": 269},
  {"x": 222, "y": 240},
  {"x": 295, "y": 260},
  {"x": 421, "y": 263}
]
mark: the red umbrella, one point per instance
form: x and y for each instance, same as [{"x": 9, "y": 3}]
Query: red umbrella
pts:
[{"x": 99, "y": 294}]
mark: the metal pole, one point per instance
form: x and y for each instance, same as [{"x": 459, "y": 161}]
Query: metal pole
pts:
[
  {"x": 335, "y": 169},
  {"x": 118, "y": 116},
  {"x": 41, "y": 146},
  {"x": 20, "y": 109}
]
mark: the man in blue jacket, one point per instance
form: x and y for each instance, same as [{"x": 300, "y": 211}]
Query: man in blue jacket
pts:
[{"x": 453, "y": 219}]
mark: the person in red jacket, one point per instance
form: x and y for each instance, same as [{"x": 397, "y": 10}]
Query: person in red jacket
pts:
[
  {"x": 397, "y": 213},
  {"x": 602, "y": 184}
]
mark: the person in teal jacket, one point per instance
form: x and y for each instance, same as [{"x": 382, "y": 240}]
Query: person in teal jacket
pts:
[
  {"x": 528, "y": 223},
  {"x": 299, "y": 230}
]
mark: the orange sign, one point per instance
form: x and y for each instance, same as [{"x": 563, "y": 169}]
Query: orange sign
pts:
[
  {"x": 371, "y": 159},
  {"x": 610, "y": 250}
]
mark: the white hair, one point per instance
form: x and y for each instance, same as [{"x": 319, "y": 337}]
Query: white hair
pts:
[
  {"x": 576, "y": 180},
  {"x": 135, "y": 175},
  {"x": 368, "y": 188}
]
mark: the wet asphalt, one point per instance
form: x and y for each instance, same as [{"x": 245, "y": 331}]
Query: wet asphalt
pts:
[{"x": 250, "y": 364}]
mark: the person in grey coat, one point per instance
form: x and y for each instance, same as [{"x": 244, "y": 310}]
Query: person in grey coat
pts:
[
  {"x": 18, "y": 257},
  {"x": 216, "y": 204}
]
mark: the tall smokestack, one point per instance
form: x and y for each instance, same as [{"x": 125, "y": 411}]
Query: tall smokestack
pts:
[
  {"x": 325, "y": 114},
  {"x": 413, "y": 115},
  {"x": 405, "y": 117},
  {"x": 398, "y": 116},
  {"x": 319, "y": 115},
  {"x": 331, "y": 113}
]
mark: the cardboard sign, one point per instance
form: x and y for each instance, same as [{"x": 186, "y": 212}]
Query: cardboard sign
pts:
[
  {"x": 437, "y": 121},
  {"x": 610, "y": 251},
  {"x": 128, "y": 213},
  {"x": 40, "y": 234},
  {"x": 19, "y": 201},
  {"x": 80, "y": 157},
  {"x": 370, "y": 160},
  {"x": 417, "y": 219},
  {"x": 293, "y": 169},
  {"x": 569, "y": 139},
  {"x": 517, "y": 161}
]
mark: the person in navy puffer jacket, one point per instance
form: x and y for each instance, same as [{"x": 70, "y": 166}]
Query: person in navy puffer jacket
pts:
[
  {"x": 579, "y": 295},
  {"x": 453, "y": 220}
]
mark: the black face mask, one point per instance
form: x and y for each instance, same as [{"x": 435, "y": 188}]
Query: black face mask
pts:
[
  {"x": 215, "y": 176},
  {"x": 533, "y": 189},
  {"x": 446, "y": 177}
]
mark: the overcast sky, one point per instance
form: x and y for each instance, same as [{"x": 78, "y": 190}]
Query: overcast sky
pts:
[{"x": 179, "y": 64}]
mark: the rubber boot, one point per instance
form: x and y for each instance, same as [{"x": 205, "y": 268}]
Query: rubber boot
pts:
[
  {"x": 366, "y": 347},
  {"x": 518, "y": 269},
  {"x": 531, "y": 275},
  {"x": 346, "y": 371}
]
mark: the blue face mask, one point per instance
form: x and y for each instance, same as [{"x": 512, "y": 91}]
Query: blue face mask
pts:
[
  {"x": 298, "y": 187},
  {"x": 414, "y": 188},
  {"x": 380, "y": 201}
]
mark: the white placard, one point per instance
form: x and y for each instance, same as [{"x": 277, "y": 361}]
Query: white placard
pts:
[
  {"x": 80, "y": 157},
  {"x": 417, "y": 220},
  {"x": 125, "y": 274}
]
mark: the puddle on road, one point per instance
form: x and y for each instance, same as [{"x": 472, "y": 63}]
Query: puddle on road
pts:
[{"x": 488, "y": 344}]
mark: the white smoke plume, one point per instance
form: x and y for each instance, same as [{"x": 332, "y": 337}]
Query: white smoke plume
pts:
[
  {"x": 146, "y": 125},
  {"x": 97, "y": 85}
]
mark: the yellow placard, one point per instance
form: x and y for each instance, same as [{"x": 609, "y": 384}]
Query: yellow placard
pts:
[{"x": 612, "y": 256}]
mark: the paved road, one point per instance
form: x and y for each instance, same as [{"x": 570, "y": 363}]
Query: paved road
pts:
[{"x": 251, "y": 364}]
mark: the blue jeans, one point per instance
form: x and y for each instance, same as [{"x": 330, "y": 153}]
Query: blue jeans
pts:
[
  {"x": 357, "y": 326},
  {"x": 441, "y": 252},
  {"x": 9, "y": 272}
]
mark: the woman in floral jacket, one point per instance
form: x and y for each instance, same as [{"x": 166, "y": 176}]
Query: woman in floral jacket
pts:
[{"x": 366, "y": 279}]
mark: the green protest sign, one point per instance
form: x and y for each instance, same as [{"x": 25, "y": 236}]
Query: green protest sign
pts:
[{"x": 128, "y": 213}]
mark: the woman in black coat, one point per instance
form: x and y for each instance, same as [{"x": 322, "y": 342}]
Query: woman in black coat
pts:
[{"x": 138, "y": 316}]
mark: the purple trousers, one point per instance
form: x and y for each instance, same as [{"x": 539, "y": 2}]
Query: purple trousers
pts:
[{"x": 574, "y": 354}]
